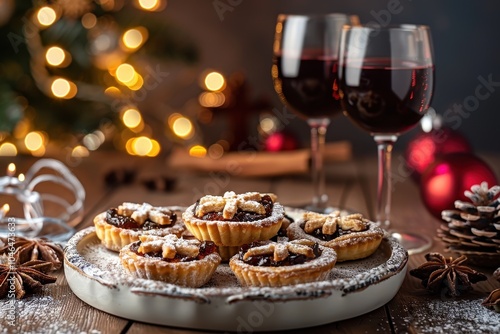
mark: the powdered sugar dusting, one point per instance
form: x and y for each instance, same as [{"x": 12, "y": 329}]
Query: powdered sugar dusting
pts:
[
  {"x": 464, "y": 316},
  {"x": 85, "y": 252},
  {"x": 30, "y": 307}
]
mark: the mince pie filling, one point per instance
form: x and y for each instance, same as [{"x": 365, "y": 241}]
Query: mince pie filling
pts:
[
  {"x": 140, "y": 217},
  {"x": 332, "y": 226},
  {"x": 265, "y": 254},
  {"x": 206, "y": 248},
  {"x": 236, "y": 208}
]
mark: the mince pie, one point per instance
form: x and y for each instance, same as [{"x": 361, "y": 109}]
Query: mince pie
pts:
[
  {"x": 233, "y": 220},
  {"x": 352, "y": 236},
  {"x": 123, "y": 225},
  {"x": 189, "y": 263},
  {"x": 273, "y": 264}
]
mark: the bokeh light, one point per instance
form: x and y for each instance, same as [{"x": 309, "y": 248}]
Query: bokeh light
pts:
[
  {"x": 216, "y": 151},
  {"x": 80, "y": 152},
  {"x": 267, "y": 125},
  {"x": 143, "y": 146},
  {"x": 215, "y": 81},
  {"x": 8, "y": 150},
  {"x": 34, "y": 141},
  {"x": 94, "y": 140},
  {"x": 55, "y": 56},
  {"x": 11, "y": 169},
  {"x": 151, "y": 5},
  {"x": 89, "y": 20},
  {"x": 134, "y": 38},
  {"x": 211, "y": 99},
  {"x": 198, "y": 151},
  {"x": 125, "y": 73},
  {"x": 131, "y": 118},
  {"x": 63, "y": 88},
  {"x": 46, "y": 16},
  {"x": 182, "y": 127}
]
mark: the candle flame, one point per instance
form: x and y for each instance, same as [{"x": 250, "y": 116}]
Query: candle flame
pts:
[
  {"x": 11, "y": 169},
  {"x": 4, "y": 210}
]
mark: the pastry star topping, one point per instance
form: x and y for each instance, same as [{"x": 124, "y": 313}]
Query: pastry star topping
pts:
[
  {"x": 329, "y": 223},
  {"x": 27, "y": 249},
  {"x": 142, "y": 212},
  {"x": 230, "y": 203},
  {"x": 447, "y": 275},
  {"x": 27, "y": 277},
  {"x": 281, "y": 251},
  {"x": 169, "y": 246}
]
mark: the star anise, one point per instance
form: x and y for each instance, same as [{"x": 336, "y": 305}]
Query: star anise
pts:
[
  {"x": 447, "y": 275},
  {"x": 27, "y": 277},
  {"x": 29, "y": 249},
  {"x": 493, "y": 300}
]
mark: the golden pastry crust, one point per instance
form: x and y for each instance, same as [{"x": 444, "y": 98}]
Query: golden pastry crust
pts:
[
  {"x": 192, "y": 273},
  {"x": 361, "y": 241},
  {"x": 315, "y": 269},
  {"x": 232, "y": 233},
  {"x": 115, "y": 238}
]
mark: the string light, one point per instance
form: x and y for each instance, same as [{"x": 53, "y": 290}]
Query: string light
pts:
[
  {"x": 34, "y": 141},
  {"x": 125, "y": 73},
  {"x": 63, "y": 88},
  {"x": 215, "y": 81},
  {"x": 89, "y": 20},
  {"x": 80, "y": 152},
  {"x": 151, "y": 5},
  {"x": 131, "y": 118},
  {"x": 216, "y": 151},
  {"x": 211, "y": 99},
  {"x": 133, "y": 38},
  {"x": 143, "y": 146},
  {"x": 8, "y": 150},
  {"x": 46, "y": 16},
  {"x": 198, "y": 151},
  {"x": 182, "y": 127},
  {"x": 56, "y": 56}
]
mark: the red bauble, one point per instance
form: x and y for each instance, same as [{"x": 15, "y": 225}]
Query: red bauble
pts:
[
  {"x": 448, "y": 177},
  {"x": 280, "y": 141},
  {"x": 426, "y": 147}
]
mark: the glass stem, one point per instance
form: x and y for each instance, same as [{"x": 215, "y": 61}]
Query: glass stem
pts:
[
  {"x": 385, "y": 144},
  {"x": 318, "y": 132}
]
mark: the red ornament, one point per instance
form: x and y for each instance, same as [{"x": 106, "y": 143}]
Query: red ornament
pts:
[
  {"x": 280, "y": 141},
  {"x": 449, "y": 176},
  {"x": 426, "y": 147}
]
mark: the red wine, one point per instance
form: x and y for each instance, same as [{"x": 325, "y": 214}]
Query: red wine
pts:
[
  {"x": 383, "y": 97},
  {"x": 306, "y": 85}
]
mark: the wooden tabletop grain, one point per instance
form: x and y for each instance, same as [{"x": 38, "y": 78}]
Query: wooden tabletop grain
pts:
[{"x": 350, "y": 184}]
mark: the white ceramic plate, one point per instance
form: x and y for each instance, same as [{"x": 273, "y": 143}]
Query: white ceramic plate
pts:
[{"x": 353, "y": 288}]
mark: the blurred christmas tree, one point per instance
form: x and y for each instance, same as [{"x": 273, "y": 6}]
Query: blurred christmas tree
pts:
[{"x": 69, "y": 70}]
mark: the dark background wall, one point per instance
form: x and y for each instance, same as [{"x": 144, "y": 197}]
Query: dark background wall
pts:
[{"x": 239, "y": 37}]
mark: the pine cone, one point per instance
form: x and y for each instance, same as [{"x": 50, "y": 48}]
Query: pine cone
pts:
[{"x": 473, "y": 228}]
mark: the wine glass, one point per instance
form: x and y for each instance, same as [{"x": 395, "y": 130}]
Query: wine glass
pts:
[
  {"x": 304, "y": 70},
  {"x": 386, "y": 81}
]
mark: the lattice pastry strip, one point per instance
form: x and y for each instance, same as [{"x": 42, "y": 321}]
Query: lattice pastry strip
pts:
[
  {"x": 142, "y": 212},
  {"x": 230, "y": 203},
  {"x": 169, "y": 246},
  {"x": 329, "y": 223},
  {"x": 281, "y": 251}
]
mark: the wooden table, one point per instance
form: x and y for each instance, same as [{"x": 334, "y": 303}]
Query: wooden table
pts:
[{"x": 350, "y": 184}]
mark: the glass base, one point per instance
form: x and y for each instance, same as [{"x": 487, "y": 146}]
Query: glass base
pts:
[{"x": 413, "y": 243}]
